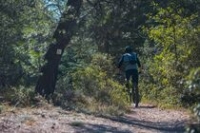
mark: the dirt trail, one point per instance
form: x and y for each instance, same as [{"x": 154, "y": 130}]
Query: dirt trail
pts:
[{"x": 145, "y": 119}]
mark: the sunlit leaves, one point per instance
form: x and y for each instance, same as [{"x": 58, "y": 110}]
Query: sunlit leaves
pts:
[{"x": 174, "y": 36}]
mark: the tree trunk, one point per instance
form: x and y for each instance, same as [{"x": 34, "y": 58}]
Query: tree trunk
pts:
[{"x": 63, "y": 34}]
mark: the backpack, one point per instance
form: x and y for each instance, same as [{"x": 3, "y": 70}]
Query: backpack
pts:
[
  {"x": 132, "y": 58},
  {"x": 128, "y": 59}
]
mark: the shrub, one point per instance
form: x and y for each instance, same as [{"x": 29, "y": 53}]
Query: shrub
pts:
[
  {"x": 193, "y": 85},
  {"x": 92, "y": 88},
  {"x": 193, "y": 94},
  {"x": 95, "y": 84},
  {"x": 22, "y": 96}
]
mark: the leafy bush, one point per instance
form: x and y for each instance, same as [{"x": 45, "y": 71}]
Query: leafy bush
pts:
[
  {"x": 175, "y": 43},
  {"x": 21, "y": 96},
  {"x": 197, "y": 112},
  {"x": 92, "y": 88},
  {"x": 193, "y": 94},
  {"x": 193, "y": 85}
]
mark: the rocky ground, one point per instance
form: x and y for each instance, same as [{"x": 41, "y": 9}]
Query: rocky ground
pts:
[{"x": 145, "y": 119}]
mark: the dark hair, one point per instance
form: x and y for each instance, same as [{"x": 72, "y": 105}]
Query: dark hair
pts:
[{"x": 128, "y": 49}]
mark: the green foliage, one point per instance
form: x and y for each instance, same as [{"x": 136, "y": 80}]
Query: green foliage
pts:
[
  {"x": 22, "y": 96},
  {"x": 25, "y": 32},
  {"x": 93, "y": 88},
  {"x": 197, "y": 112},
  {"x": 170, "y": 52},
  {"x": 36, "y": 32},
  {"x": 115, "y": 24},
  {"x": 171, "y": 33},
  {"x": 193, "y": 81},
  {"x": 192, "y": 94},
  {"x": 9, "y": 35},
  {"x": 19, "y": 96},
  {"x": 171, "y": 56},
  {"x": 195, "y": 126}
]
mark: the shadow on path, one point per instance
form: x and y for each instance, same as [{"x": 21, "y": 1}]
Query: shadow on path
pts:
[
  {"x": 147, "y": 106},
  {"x": 151, "y": 126},
  {"x": 165, "y": 127},
  {"x": 161, "y": 126},
  {"x": 100, "y": 128}
]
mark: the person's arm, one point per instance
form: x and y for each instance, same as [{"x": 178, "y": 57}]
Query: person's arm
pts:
[
  {"x": 138, "y": 62},
  {"x": 120, "y": 62}
]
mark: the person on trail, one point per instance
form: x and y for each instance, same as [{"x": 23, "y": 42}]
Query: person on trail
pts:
[{"x": 129, "y": 63}]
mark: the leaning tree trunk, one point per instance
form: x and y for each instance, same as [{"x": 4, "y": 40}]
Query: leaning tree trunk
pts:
[{"x": 63, "y": 33}]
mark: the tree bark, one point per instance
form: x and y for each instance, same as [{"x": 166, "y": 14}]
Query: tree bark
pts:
[{"x": 63, "y": 34}]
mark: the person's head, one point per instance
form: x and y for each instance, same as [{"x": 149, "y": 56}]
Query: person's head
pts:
[{"x": 128, "y": 49}]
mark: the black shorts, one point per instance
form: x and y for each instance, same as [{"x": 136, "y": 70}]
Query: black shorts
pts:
[{"x": 133, "y": 74}]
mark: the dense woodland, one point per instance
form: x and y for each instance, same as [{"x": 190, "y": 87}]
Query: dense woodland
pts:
[{"x": 67, "y": 52}]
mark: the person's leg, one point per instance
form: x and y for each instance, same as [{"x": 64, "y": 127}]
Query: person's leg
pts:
[
  {"x": 128, "y": 87},
  {"x": 128, "y": 75},
  {"x": 135, "y": 77},
  {"x": 135, "y": 87}
]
